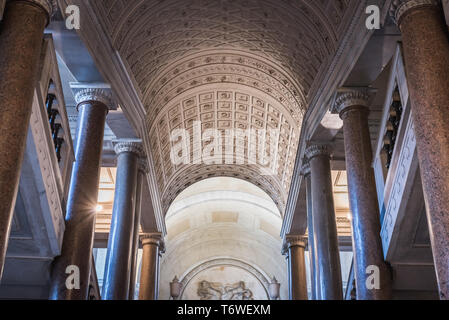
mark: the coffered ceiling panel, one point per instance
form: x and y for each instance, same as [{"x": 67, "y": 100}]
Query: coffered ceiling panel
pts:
[{"x": 231, "y": 64}]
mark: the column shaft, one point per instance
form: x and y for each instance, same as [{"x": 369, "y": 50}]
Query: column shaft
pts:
[
  {"x": 21, "y": 36},
  {"x": 298, "y": 270},
  {"x": 325, "y": 227},
  {"x": 132, "y": 281},
  {"x": 311, "y": 242},
  {"x": 81, "y": 204},
  {"x": 118, "y": 258},
  {"x": 426, "y": 55},
  {"x": 367, "y": 244},
  {"x": 148, "y": 273}
]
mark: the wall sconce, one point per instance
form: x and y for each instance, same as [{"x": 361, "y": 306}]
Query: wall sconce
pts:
[
  {"x": 175, "y": 288},
  {"x": 274, "y": 289}
]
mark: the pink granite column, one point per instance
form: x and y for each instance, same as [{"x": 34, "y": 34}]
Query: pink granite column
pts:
[
  {"x": 21, "y": 36},
  {"x": 324, "y": 224},
  {"x": 426, "y": 55},
  {"x": 297, "y": 266},
  {"x": 152, "y": 244},
  {"x": 352, "y": 105},
  {"x": 93, "y": 105}
]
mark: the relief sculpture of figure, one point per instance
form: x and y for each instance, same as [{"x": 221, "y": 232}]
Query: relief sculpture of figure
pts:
[{"x": 217, "y": 291}]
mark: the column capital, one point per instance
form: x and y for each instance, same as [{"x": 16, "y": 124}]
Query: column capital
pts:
[
  {"x": 317, "y": 150},
  {"x": 400, "y": 7},
  {"x": 50, "y": 6},
  {"x": 294, "y": 241},
  {"x": 305, "y": 168},
  {"x": 91, "y": 92},
  {"x": 154, "y": 238},
  {"x": 133, "y": 146},
  {"x": 350, "y": 97}
]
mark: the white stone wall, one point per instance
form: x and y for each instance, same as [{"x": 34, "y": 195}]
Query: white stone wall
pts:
[{"x": 224, "y": 219}]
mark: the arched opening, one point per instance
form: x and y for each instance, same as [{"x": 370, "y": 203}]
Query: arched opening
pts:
[{"x": 223, "y": 242}]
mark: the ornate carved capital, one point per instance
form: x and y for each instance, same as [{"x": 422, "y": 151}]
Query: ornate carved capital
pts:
[
  {"x": 295, "y": 241},
  {"x": 133, "y": 146},
  {"x": 400, "y": 7},
  {"x": 85, "y": 92},
  {"x": 154, "y": 238},
  {"x": 349, "y": 97},
  {"x": 305, "y": 169},
  {"x": 317, "y": 150}
]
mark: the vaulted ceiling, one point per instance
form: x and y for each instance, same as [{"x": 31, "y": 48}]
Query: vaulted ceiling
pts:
[{"x": 231, "y": 64}]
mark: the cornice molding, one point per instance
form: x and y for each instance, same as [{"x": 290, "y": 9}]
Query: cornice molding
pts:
[
  {"x": 317, "y": 150},
  {"x": 400, "y": 7},
  {"x": 85, "y": 92},
  {"x": 132, "y": 146}
]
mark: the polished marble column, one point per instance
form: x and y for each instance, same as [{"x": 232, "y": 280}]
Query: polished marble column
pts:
[
  {"x": 21, "y": 36},
  {"x": 295, "y": 245},
  {"x": 314, "y": 280},
  {"x": 121, "y": 236},
  {"x": 325, "y": 226},
  {"x": 93, "y": 106},
  {"x": 152, "y": 244},
  {"x": 426, "y": 56},
  {"x": 141, "y": 178},
  {"x": 352, "y": 105}
]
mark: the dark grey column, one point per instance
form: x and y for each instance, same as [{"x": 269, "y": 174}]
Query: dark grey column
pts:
[
  {"x": 141, "y": 178},
  {"x": 352, "y": 105},
  {"x": 121, "y": 237},
  {"x": 93, "y": 105},
  {"x": 152, "y": 244},
  {"x": 325, "y": 226},
  {"x": 289, "y": 271},
  {"x": 21, "y": 35},
  {"x": 297, "y": 266},
  {"x": 305, "y": 171}
]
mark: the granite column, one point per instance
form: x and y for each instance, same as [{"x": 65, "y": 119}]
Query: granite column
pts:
[
  {"x": 314, "y": 279},
  {"x": 372, "y": 274},
  {"x": 76, "y": 254},
  {"x": 295, "y": 245},
  {"x": 426, "y": 56},
  {"x": 121, "y": 236},
  {"x": 21, "y": 36},
  {"x": 141, "y": 178},
  {"x": 152, "y": 244},
  {"x": 325, "y": 226}
]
